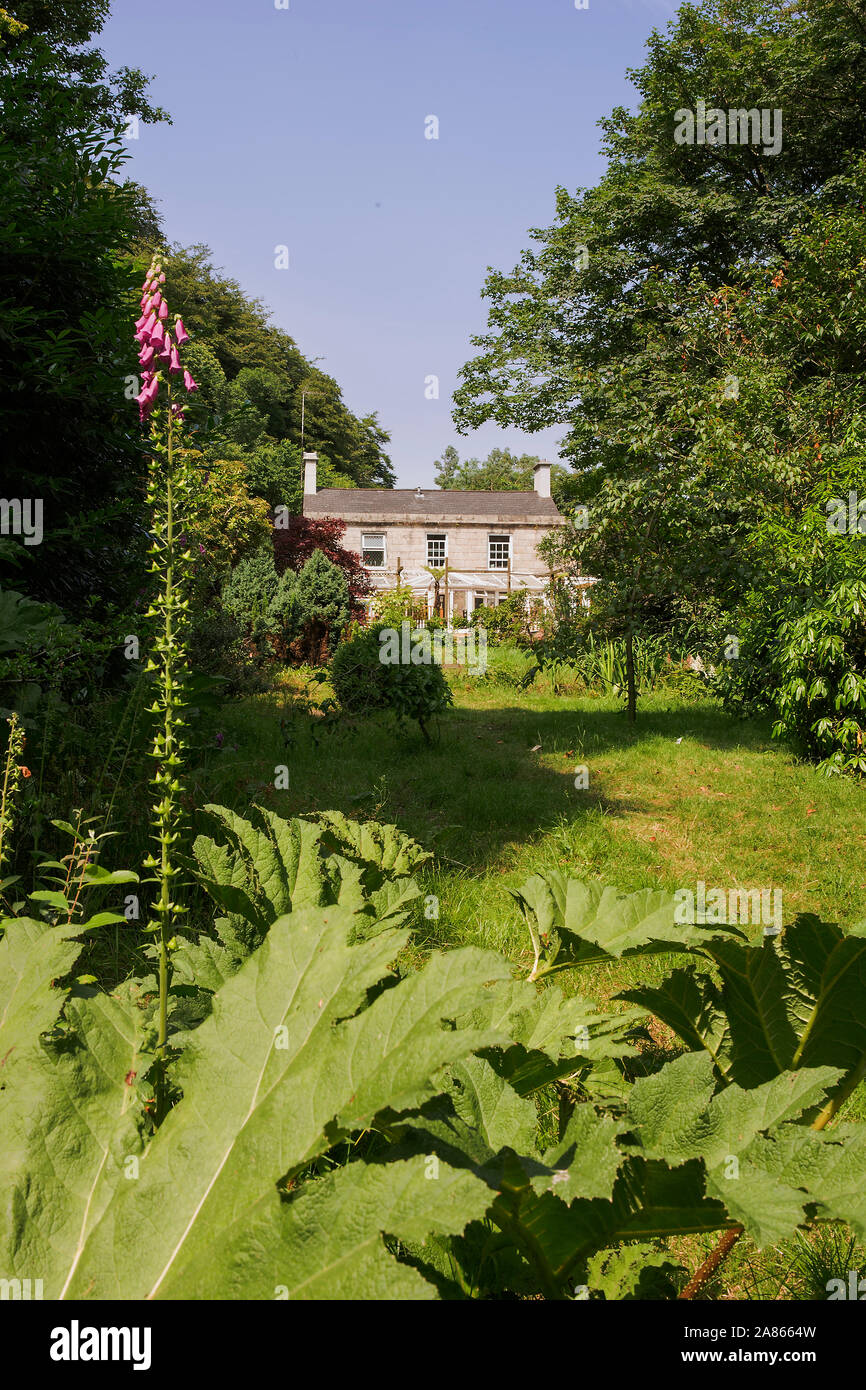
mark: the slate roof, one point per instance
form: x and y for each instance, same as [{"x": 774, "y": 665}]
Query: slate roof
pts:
[{"x": 435, "y": 504}]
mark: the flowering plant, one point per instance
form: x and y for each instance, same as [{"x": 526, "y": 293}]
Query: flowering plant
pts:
[{"x": 171, "y": 495}]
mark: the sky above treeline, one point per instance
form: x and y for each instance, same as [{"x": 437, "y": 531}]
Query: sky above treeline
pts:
[{"x": 304, "y": 127}]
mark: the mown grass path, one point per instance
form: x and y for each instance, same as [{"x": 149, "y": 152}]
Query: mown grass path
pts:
[{"x": 689, "y": 793}]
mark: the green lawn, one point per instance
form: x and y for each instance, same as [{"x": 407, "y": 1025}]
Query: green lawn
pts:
[{"x": 689, "y": 793}]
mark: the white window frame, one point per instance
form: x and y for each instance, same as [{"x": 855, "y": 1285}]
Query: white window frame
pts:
[
  {"x": 436, "y": 536},
  {"x": 495, "y": 537},
  {"x": 374, "y": 535}
]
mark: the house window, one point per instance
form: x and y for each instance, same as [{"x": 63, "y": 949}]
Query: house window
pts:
[
  {"x": 437, "y": 549},
  {"x": 499, "y": 552},
  {"x": 373, "y": 552}
]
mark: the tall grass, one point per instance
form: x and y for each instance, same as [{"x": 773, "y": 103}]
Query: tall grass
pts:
[{"x": 598, "y": 670}]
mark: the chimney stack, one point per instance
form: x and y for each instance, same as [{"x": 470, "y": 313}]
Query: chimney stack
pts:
[
  {"x": 310, "y": 464},
  {"x": 542, "y": 478}
]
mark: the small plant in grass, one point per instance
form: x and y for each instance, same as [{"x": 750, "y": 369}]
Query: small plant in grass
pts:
[{"x": 363, "y": 683}]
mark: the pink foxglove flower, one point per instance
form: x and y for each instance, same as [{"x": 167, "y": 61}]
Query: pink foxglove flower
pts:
[
  {"x": 188, "y": 381},
  {"x": 157, "y": 336},
  {"x": 163, "y": 311},
  {"x": 174, "y": 361},
  {"x": 181, "y": 333},
  {"x": 162, "y": 277},
  {"x": 157, "y": 300},
  {"x": 147, "y": 355}
]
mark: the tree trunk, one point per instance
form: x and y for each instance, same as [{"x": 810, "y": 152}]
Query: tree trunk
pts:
[{"x": 629, "y": 677}]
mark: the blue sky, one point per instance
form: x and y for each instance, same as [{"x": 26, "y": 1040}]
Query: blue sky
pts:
[{"x": 305, "y": 127}]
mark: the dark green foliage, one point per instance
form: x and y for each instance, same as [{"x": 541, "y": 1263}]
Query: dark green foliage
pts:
[
  {"x": 363, "y": 683},
  {"x": 217, "y": 648},
  {"x": 517, "y": 618},
  {"x": 322, "y": 593},
  {"x": 286, "y": 609},
  {"x": 248, "y": 591},
  {"x": 68, "y": 433},
  {"x": 309, "y": 608},
  {"x": 802, "y": 654}
]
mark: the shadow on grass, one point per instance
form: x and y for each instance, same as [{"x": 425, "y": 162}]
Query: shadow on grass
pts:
[{"x": 484, "y": 782}]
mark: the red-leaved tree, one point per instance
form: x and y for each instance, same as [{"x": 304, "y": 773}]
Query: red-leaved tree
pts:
[{"x": 294, "y": 545}]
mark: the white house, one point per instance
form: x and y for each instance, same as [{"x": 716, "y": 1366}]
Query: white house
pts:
[{"x": 484, "y": 543}]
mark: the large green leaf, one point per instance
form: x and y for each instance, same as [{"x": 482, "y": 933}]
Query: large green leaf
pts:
[
  {"x": 329, "y": 1241},
  {"x": 82, "y": 1141},
  {"x": 573, "y": 923},
  {"x": 788, "y": 1003},
  {"x": 289, "y": 1060},
  {"x": 33, "y": 956},
  {"x": 690, "y": 1003},
  {"x": 678, "y": 1118},
  {"x": 552, "y": 1035},
  {"x": 383, "y": 847},
  {"x": 647, "y": 1200},
  {"x": 268, "y": 866}
]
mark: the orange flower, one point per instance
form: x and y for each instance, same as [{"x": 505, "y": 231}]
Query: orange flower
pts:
[{"x": 25, "y": 772}]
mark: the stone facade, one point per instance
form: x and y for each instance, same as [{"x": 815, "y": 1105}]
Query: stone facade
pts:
[
  {"x": 467, "y": 542},
  {"x": 487, "y": 541}
]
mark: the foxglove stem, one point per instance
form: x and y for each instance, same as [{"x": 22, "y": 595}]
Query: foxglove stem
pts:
[
  {"x": 171, "y": 494},
  {"x": 11, "y": 783}
]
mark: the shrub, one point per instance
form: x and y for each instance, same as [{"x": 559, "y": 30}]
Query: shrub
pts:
[
  {"x": 515, "y": 619},
  {"x": 305, "y": 537},
  {"x": 398, "y": 605},
  {"x": 320, "y": 604},
  {"x": 323, "y": 592},
  {"x": 362, "y": 682},
  {"x": 217, "y": 647},
  {"x": 285, "y": 612},
  {"x": 822, "y": 693},
  {"x": 229, "y": 524},
  {"x": 801, "y": 651},
  {"x": 249, "y": 591}
]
